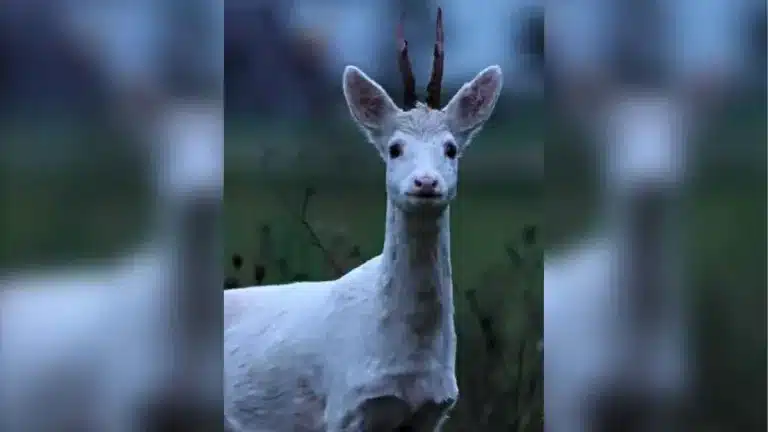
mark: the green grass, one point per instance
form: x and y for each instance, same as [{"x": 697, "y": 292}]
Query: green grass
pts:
[
  {"x": 482, "y": 224},
  {"x": 57, "y": 217}
]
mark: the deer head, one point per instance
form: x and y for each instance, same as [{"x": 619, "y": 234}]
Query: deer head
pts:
[{"x": 422, "y": 143}]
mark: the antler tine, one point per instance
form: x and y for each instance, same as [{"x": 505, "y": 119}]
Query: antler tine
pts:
[
  {"x": 433, "y": 88},
  {"x": 409, "y": 82}
]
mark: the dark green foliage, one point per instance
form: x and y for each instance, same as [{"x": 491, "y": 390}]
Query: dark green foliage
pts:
[
  {"x": 237, "y": 261},
  {"x": 231, "y": 282},
  {"x": 259, "y": 273},
  {"x": 499, "y": 358}
]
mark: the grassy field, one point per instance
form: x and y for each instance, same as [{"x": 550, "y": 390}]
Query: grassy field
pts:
[{"x": 482, "y": 224}]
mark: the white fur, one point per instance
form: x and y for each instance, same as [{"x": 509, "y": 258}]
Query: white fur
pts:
[
  {"x": 81, "y": 341},
  {"x": 376, "y": 348},
  {"x": 588, "y": 340}
]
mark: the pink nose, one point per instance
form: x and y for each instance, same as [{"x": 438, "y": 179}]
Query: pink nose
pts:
[{"x": 425, "y": 184}]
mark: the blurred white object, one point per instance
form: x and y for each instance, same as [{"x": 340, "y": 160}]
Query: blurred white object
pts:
[
  {"x": 193, "y": 163},
  {"x": 64, "y": 332},
  {"x": 643, "y": 143},
  {"x": 105, "y": 328},
  {"x": 595, "y": 346}
]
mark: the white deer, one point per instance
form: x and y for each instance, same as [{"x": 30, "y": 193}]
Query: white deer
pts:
[
  {"x": 87, "y": 346},
  {"x": 612, "y": 313},
  {"x": 374, "y": 350}
]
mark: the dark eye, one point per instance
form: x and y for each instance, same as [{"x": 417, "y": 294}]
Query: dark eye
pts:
[
  {"x": 451, "y": 150},
  {"x": 395, "y": 150}
]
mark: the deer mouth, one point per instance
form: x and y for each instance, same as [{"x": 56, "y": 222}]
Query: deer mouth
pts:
[{"x": 425, "y": 195}]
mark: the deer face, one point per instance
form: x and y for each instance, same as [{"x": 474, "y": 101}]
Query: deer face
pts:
[
  {"x": 421, "y": 146},
  {"x": 421, "y": 154}
]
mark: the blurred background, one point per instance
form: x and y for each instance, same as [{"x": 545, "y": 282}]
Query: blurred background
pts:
[
  {"x": 655, "y": 202},
  {"x": 112, "y": 134},
  {"x": 79, "y": 85}
]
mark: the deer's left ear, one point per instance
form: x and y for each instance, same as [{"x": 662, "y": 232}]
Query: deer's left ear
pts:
[{"x": 473, "y": 104}]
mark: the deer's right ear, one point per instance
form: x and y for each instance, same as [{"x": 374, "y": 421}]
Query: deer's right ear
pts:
[{"x": 370, "y": 105}]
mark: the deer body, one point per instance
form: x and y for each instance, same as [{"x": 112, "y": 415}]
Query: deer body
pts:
[
  {"x": 84, "y": 349},
  {"x": 376, "y": 346},
  {"x": 374, "y": 350}
]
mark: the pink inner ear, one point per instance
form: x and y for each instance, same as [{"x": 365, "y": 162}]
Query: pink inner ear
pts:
[
  {"x": 471, "y": 104},
  {"x": 475, "y": 98},
  {"x": 371, "y": 106},
  {"x": 369, "y": 101}
]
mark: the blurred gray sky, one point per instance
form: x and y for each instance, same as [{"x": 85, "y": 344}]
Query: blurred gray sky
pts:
[{"x": 479, "y": 33}]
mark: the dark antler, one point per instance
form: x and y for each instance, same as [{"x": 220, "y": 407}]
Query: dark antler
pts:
[
  {"x": 433, "y": 88},
  {"x": 409, "y": 82}
]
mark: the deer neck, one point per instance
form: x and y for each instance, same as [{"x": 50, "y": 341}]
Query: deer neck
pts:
[
  {"x": 416, "y": 287},
  {"x": 643, "y": 223},
  {"x": 188, "y": 186}
]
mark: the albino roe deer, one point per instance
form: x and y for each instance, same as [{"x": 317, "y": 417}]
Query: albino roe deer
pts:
[{"x": 374, "y": 350}]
